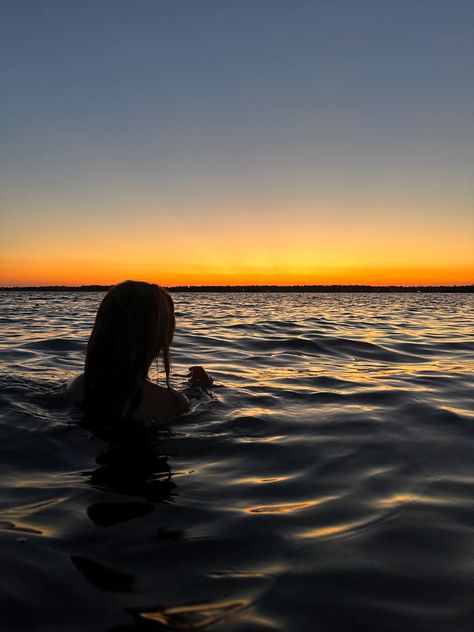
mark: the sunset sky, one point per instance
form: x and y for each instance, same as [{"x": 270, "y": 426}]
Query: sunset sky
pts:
[{"x": 236, "y": 141}]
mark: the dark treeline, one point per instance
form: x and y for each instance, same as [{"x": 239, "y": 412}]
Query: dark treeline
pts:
[{"x": 257, "y": 288}]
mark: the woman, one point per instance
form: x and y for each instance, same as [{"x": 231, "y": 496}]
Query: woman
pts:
[{"x": 134, "y": 325}]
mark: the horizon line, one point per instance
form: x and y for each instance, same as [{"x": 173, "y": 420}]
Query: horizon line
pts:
[{"x": 348, "y": 287}]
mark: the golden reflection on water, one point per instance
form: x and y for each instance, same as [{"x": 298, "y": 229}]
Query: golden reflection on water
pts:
[
  {"x": 7, "y": 525},
  {"x": 20, "y": 518},
  {"x": 459, "y": 411},
  {"x": 272, "y": 439},
  {"x": 400, "y": 499},
  {"x": 256, "y": 480},
  {"x": 256, "y": 411},
  {"x": 195, "y": 616},
  {"x": 363, "y": 371},
  {"x": 284, "y": 508},
  {"x": 334, "y": 529}
]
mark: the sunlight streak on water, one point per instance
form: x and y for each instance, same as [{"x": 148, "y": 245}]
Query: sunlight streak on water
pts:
[{"x": 285, "y": 508}]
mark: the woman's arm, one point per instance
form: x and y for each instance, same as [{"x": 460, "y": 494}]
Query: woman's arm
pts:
[
  {"x": 164, "y": 403},
  {"x": 161, "y": 403}
]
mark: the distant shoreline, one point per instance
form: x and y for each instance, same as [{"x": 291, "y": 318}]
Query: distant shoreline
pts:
[{"x": 261, "y": 288}]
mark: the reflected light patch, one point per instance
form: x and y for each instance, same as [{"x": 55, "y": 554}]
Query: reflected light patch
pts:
[
  {"x": 285, "y": 508},
  {"x": 195, "y": 616},
  {"x": 273, "y": 439},
  {"x": 7, "y": 525},
  {"x": 400, "y": 499},
  {"x": 256, "y": 480},
  {"x": 332, "y": 530}
]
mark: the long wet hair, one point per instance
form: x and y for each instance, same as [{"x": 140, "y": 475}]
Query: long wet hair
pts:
[{"x": 134, "y": 326}]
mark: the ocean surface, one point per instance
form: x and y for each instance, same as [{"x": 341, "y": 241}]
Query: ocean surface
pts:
[{"x": 324, "y": 484}]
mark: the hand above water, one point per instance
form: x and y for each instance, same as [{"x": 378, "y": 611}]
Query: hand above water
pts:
[{"x": 199, "y": 377}]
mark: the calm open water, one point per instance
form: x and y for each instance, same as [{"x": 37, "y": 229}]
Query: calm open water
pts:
[{"x": 327, "y": 486}]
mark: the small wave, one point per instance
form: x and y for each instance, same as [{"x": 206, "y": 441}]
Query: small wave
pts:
[
  {"x": 326, "y": 346},
  {"x": 284, "y": 344},
  {"x": 56, "y": 345},
  {"x": 195, "y": 616},
  {"x": 368, "y": 350},
  {"x": 345, "y": 529}
]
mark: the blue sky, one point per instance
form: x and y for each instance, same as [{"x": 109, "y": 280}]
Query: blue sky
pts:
[{"x": 189, "y": 111}]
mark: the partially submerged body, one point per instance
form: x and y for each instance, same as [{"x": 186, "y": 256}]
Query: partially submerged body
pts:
[{"x": 156, "y": 402}]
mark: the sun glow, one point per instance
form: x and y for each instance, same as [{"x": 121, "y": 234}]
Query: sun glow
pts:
[{"x": 236, "y": 249}]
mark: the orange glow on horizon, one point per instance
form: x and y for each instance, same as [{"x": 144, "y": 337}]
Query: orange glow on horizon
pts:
[
  {"x": 314, "y": 245},
  {"x": 43, "y": 272}
]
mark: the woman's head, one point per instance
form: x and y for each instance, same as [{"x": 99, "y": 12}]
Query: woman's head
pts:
[{"x": 134, "y": 325}]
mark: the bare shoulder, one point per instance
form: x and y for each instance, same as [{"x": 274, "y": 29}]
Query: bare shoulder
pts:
[
  {"x": 156, "y": 402},
  {"x": 161, "y": 403},
  {"x": 75, "y": 389}
]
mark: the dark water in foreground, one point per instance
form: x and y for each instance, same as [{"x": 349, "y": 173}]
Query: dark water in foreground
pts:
[{"x": 328, "y": 486}]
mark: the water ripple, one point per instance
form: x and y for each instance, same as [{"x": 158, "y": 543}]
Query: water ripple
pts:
[{"x": 328, "y": 479}]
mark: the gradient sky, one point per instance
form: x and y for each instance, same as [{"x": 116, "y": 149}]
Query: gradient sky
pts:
[{"x": 236, "y": 141}]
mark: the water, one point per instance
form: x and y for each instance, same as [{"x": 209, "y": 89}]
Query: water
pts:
[{"x": 327, "y": 486}]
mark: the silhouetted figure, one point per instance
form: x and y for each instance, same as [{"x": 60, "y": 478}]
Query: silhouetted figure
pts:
[{"x": 134, "y": 326}]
